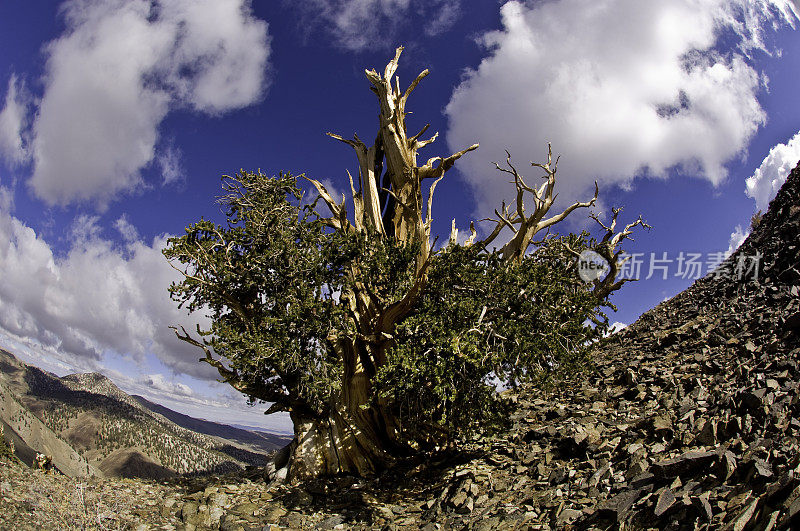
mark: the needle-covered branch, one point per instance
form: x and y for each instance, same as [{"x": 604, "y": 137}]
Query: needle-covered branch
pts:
[{"x": 280, "y": 400}]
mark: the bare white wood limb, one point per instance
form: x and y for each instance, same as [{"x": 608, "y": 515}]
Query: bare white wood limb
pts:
[
  {"x": 609, "y": 249},
  {"x": 453, "y": 233},
  {"x": 338, "y": 219}
]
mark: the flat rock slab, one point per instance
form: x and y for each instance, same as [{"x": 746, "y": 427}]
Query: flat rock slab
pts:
[
  {"x": 693, "y": 463},
  {"x": 617, "y": 507},
  {"x": 665, "y": 500}
]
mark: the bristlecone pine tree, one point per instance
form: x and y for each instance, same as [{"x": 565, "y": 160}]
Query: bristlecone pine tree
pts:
[{"x": 376, "y": 343}]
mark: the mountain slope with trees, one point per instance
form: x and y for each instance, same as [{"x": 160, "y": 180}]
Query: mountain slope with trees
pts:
[
  {"x": 266, "y": 442},
  {"x": 86, "y": 419}
]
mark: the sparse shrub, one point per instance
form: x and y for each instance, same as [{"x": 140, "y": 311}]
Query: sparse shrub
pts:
[
  {"x": 756, "y": 220},
  {"x": 6, "y": 445}
]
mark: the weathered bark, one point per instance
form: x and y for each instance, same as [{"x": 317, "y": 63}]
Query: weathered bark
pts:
[
  {"x": 335, "y": 444},
  {"x": 523, "y": 225},
  {"x": 354, "y": 436},
  {"x": 609, "y": 248},
  {"x": 358, "y": 434},
  {"x": 406, "y": 209}
]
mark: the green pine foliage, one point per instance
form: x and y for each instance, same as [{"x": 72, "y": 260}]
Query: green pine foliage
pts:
[
  {"x": 268, "y": 278},
  {"x": 275, "y": 281},
  {"x": 483, "y": 323}
]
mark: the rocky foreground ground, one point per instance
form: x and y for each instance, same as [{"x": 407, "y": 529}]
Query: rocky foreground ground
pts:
[{"x": 690, "y": 419}]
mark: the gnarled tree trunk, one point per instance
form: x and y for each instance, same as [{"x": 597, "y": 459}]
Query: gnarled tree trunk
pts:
[
  {"x": 358, "y": 434},
  {"x": 353, "y": 436}
]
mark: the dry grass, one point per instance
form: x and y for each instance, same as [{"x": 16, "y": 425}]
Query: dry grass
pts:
[{"x": 33, "y": 499}]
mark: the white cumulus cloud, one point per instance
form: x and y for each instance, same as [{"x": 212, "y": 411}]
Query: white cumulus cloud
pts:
[
  {"x": 12, "y": 123},
  {"x": 117, "y": 71},
  {"x": 738, "y": 236},
  {"x": 616, "y": 326},
  {"x": 167, "y": 386},
  {"x": 768, "y": 178},
  {"x": 126, "y": 229},
  {"x": 169, "y": 161},
  {"x": 621, "y": 88},
  {"x": 361, "y": 24},
  {"x": 95, "y": 299}
]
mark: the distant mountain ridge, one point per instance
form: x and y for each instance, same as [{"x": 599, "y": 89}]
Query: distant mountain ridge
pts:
[
  {"x": 91, "y": 427},
  {"x": 266, "y": 441},
  {"x": 99, "y": 384}
]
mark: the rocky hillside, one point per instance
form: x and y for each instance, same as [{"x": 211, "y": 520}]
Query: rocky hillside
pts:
[
  {"x": 688, "y": 420},
  {"x": 92, "y": 427},
  {"x": 30, "y": 436}
]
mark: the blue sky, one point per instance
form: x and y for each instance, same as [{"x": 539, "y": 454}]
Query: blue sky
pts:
[{"x": 117, "y": 119}]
